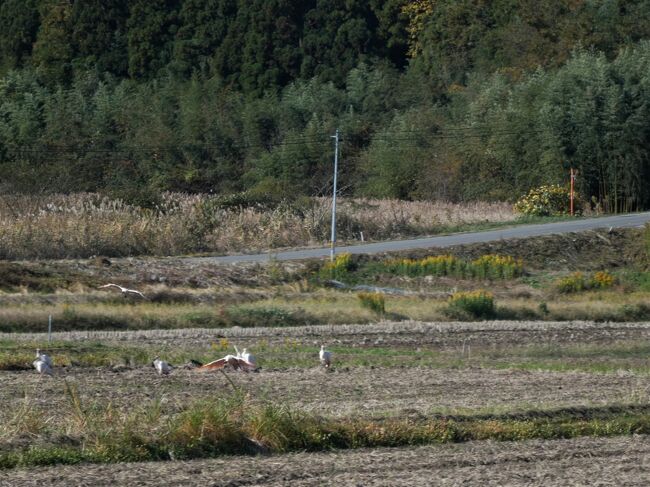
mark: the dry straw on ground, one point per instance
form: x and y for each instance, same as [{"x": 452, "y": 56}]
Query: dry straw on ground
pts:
[{"x": 82, "y": 225}]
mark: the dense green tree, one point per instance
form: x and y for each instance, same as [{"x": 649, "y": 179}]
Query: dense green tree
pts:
[
  {"x": 203, "y": 26},
  {"x": 135, "y": 97},
  {"x": 19, "y": 22},
  {"x": 99, "y": 35},
  {"x": 338, "y": 35},
  {"x": 52, "y": 52},
  {"x": 152, "y": 25}
]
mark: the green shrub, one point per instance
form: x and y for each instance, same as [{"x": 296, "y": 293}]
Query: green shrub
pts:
[
  {"x": 634, "y": 312},
  {"x": 493, "y": 266},
  {"x": 490, "y": 266},
  {"x": 373, "y": 301},
  {"x": 602, "y": 280},
  {"x": 549, "y": 200},
  {"x": 572, "y": 283},
  {"x": 473, "y": 304},
  {"x": 577, "y": 282},
  {"x": 338, "y": 268},
  {"x": 437, "y": 265}
]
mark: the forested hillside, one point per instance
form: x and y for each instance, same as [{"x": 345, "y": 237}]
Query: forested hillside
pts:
[{"x": 434, "y": 99}]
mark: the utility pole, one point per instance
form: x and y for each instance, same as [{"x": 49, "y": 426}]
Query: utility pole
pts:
[
  {"x": 336, "y": 168},
  {"x": 573, "y": 175}
]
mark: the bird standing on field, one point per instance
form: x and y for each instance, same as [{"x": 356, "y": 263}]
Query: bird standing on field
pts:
[
  {"x": 43, "y": 364},
  {"x": 125, "y": 291},
  {"x": 162, "y": 367},
  {"x": 250, "y": 362},
  {"x": 44, "y": 357},
  {"x": 325, "y": 357}
]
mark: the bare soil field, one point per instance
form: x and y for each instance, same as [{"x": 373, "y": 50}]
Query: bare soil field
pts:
[
  {"x": 618, "y": 461},
  {"x": 405, "y": 388},
  {"x": 391, "y": 334},
  {"x": 344, "y": 392}
]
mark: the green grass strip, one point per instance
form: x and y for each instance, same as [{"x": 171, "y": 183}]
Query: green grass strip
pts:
[{"x": 238, "y": 426}]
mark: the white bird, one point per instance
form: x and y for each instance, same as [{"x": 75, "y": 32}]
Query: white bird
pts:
[
  {"x": 242, "y": 361},
  {"x": 42, "y": 367},
  {"x": 250, "y": 362},
  {"x": 45, "y": 358},
  {"x": 125, "y": 291},
  {"x": 325, "y": 356},
  {"x": 162, "y": 367}
]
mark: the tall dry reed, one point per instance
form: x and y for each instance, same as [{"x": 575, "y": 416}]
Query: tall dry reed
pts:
[{"x": 83, "y": 225}]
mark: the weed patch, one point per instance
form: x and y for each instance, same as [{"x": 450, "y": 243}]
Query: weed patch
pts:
[
  {"x": 375, "y": 302},
  {"x": 490, "y": 266},
  {"x": 578, "y": 282},
  {"x": 339, "y": 268},
  {"x": 239, "y": 425},
  {"x": 473, "y": 305}
]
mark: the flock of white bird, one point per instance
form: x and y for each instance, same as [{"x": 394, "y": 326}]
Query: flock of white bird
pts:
[{"x": 243, "y": 361}]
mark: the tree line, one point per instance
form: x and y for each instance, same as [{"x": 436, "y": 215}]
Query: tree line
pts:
[{"x": 451, "y": 99}]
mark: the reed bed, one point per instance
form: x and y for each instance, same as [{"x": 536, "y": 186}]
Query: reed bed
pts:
[{"x": 82, "y": 225}]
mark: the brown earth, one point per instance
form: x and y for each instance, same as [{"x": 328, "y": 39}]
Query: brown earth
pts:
[
  {"x": 346, "y": 391},
  {"x": 619, "y": 461},
  {"x": 443, "y": 336},
  {"x": 590, "y": 250}
]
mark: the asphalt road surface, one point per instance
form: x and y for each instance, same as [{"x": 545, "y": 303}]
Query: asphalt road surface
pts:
[{"x": 520, "y": 231}]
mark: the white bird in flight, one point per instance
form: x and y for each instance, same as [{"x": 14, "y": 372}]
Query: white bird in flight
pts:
[
  {"x": 242, "y": 361},
  {"x": 125, "y": 291},
  {"x": 231, "y": 360},
  {"x": 162, "y": 367},
  {"x": 325, "y": 356}
]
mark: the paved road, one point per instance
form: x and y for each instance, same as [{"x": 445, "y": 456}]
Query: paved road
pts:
[{"x": 521, "y": 231}]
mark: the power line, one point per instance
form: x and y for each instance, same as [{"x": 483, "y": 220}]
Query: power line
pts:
[{"x": 395, "y": 136}]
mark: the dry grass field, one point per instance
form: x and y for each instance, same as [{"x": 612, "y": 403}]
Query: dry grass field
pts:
[
  {"x": 82, "y": 225},
  {"x": 414, "y": 371},
  {"x": 380, "y": 370},
  {"x": 552, "y": 389}
]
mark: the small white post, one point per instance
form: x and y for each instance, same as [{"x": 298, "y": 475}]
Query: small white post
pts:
[{"x": 49, "y": 329}]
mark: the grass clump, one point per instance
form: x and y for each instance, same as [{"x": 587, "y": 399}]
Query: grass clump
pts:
[
  {"x": 493, "y": 266},
  {"x": 471, "y": 305},
  {"x": 375, "y": 302},
  {"x": 339, "y": 268},
  {"x": 577, "y": 282},
  {"x": 490, "y": 266},
  {"x": 237, "y": 424},
  {"x": 439, "y": 265}
]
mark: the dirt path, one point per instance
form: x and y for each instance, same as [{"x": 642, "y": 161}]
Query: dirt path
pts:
[
  {"x": 440, "y": 334},
  {"x": 619, "y": 461}
]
